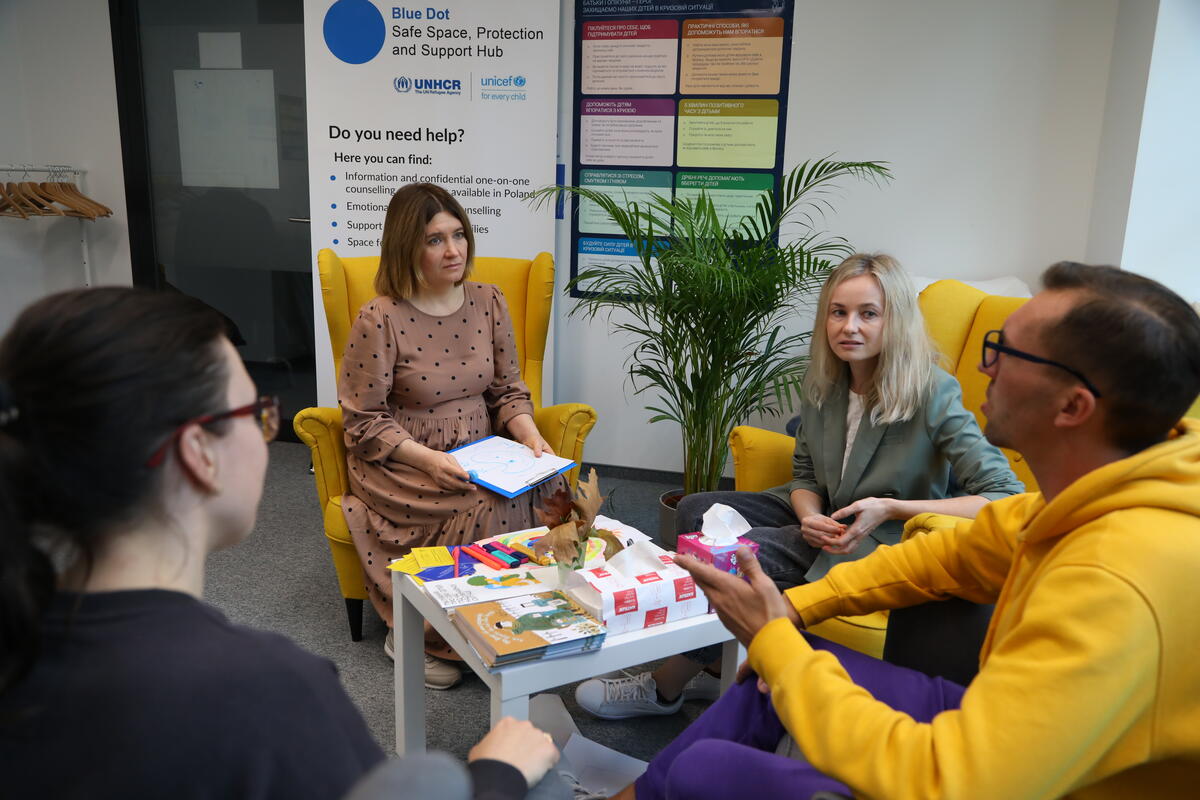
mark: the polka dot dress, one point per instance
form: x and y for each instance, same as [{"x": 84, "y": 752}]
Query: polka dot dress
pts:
[{"x": 445, "y": 381}]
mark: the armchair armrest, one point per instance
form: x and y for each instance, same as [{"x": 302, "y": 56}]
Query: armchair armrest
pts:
[
  {"x": 762, "y": 459},
  {"x": 565, "y": 426},
  {"x": 321, "y": 430}
]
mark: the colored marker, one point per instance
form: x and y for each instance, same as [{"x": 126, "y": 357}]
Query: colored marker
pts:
[{"x": 484, "y": 557}]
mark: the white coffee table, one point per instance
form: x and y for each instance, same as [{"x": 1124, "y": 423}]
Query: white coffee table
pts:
[{"x": 511, "y": 686}]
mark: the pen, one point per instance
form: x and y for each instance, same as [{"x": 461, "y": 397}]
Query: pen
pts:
[{"x": 457, "y": 550}]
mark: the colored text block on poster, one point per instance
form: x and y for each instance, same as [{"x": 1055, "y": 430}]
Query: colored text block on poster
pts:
[
  {"x": 727, "y": 133},
  {"x": 623, "y": 186},
  {"x": 627, "y": 131},
  {"x": 629, "y": 57},
  {"x": 733, "y": 194},
  {"x": 731, "y": 56}
]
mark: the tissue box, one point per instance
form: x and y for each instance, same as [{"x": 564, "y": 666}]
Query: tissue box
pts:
[
  {"x": 640, "y": 587},
  {"x": 723, "y": 557}
]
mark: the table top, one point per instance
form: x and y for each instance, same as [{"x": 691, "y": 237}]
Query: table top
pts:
[{"x": 618, "y": 652}]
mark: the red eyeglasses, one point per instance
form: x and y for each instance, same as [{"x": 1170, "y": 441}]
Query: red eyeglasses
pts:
[{"x": 267, "y": 409}]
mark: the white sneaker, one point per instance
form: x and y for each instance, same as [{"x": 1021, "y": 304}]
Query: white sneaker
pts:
[
  {"x": 702, "y": 687},
  {"x": 621, "y": 698},
  {"x": 578, "y": 790}
]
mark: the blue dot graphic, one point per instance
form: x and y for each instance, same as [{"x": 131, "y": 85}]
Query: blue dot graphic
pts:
[
  {"x": 354, "y": 30},
  {"x": 333, "y": 205},
  {"x": 333, "y": 177},
  {"x": 335, "y": 241},
  {"x": 334, "y": 224}
]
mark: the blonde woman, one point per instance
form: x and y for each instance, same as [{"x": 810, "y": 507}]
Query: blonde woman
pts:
[{"x": 882, "y": 428}]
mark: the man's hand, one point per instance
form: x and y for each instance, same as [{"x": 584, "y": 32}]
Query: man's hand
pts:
[
  {"x": 745, "y": 672},
  {"x": 743, "y": 607},
  {"x": 868, "y": 513}
]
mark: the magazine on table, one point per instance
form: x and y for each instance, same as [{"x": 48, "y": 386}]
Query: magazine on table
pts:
[{"x": 532, "y": 626}]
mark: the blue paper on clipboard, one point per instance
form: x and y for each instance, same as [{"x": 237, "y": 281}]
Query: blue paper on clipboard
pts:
[{"x": 506, "y": 467}]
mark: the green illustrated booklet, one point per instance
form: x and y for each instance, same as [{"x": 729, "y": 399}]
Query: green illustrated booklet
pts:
[{"x": 532, "y": 626}]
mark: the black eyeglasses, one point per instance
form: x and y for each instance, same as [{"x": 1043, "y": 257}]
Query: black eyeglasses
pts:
[
  {"x": 266, "y": 408},
  {"x": 993, "y": 345}
]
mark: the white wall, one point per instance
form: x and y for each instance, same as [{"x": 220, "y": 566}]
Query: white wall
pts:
[
  {"x": 1128, "y": 73},
  {"x": 991, "y": 116},
  {"x": 1164, "y": 206},
  {"x": 59, "y": 104}
]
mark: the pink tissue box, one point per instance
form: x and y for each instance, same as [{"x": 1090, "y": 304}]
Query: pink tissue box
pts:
[{"x": 723, "y": 557}]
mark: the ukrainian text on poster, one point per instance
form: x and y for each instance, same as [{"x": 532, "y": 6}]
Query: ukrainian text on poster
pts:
[{"x": 676, "y": 98}]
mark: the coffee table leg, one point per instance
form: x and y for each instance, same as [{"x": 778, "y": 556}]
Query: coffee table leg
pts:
[
  {"x": 517, "y": 707},
  {"x": 410, "y": 675},
  {"x": 732, "y": 656}
]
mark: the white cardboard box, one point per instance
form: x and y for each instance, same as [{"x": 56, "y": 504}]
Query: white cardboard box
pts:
[{"x": 640, "y": 587}]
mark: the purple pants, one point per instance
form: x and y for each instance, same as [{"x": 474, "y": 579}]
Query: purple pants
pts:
[{"x": 730, "y": 750}]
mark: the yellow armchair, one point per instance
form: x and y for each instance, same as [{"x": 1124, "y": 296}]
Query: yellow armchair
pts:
[{"x": 347, "y": 283}]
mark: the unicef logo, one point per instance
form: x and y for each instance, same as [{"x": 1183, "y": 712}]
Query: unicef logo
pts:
[
  {"x": 402, "y": 84},
  {"x": 354, "y": 30},
  {"x": 518, "y": 80}
]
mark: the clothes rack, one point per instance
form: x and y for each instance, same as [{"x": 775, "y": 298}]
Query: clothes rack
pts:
[{"x": 62, "y": 173}]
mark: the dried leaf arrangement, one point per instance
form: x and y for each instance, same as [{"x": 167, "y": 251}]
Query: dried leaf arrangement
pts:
[{"x": 571, "y": 519}]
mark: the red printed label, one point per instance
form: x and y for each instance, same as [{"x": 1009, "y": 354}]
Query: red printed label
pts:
[
  {"x": 649, "y": 577},
  {"x": 685, "y": 588},
  {"x": 625, "y": 601},
  {"x": 601, "y": 572},
  {"x": 666, "y": 559},
  {"x": 655, "y": 616}
]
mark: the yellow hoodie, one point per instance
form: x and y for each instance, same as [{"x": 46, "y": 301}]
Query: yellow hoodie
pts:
[{"x": 1089, "y": 684}]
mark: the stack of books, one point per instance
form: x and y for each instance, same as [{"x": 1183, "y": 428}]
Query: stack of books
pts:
[{"x": 527, "y": 627}]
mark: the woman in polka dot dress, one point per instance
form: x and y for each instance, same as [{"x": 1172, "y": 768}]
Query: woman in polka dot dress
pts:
[{"x": 431, "y": 365}]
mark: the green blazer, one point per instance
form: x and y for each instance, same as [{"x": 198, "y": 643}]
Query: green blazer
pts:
[{"x": 909, "y": 460}]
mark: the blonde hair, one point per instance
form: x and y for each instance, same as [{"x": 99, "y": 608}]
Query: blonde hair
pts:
[
  {"x": 411, "y": 209},
  {"x": 904, "y": 372}
]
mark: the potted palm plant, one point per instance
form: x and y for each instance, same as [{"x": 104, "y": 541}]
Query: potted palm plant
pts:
[{"x": 705, "y": 300}]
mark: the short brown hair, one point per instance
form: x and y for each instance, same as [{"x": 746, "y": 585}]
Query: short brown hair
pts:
[
  {"x": 1136, "y": 339},
  {"x": 411, "y": 209}
]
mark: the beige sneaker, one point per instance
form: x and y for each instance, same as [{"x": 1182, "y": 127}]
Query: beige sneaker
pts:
[{"x": 441, "y": 674}]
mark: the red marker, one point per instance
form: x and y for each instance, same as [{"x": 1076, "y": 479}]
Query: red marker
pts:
[{"x": 485, "y": 557}]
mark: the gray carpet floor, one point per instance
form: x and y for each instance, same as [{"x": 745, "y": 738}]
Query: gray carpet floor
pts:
[{"x": 281, "y": 579}]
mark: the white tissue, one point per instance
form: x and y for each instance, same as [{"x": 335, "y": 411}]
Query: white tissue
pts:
[{"x": 722, "y": 525}]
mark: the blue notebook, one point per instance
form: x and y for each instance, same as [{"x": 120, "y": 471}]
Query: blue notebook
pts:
[{"x": 506, "y": 467}]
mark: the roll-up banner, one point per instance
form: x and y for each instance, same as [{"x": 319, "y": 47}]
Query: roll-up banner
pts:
[{"x": 462, "y": 93}]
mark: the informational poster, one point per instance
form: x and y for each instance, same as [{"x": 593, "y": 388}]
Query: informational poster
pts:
[
  {"x": 463, "y": 94},
  {"x": 672, "y": 99}
]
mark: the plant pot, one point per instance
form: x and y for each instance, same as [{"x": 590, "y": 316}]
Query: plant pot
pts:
[{"x": 667, "y": 502}]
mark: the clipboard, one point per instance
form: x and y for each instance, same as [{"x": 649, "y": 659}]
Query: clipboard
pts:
[{"x": 506, "y": 467}]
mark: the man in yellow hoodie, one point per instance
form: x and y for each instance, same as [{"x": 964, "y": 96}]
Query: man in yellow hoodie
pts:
[{"x": 1089, "y": 684}]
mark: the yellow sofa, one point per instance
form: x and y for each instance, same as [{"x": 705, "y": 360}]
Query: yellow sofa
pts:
[
  {"x": 957, "y": 317},
  {"x": 347, "y": 283}
]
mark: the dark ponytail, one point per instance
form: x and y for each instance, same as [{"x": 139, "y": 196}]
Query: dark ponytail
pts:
[{"x": 92, "y": 382}]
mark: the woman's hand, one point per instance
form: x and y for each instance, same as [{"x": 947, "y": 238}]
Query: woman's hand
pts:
[
  {"x": 819, "y": 530},
  {"x": 522, "y": 429},
  {"x": 518, "y": 743},
  {"x": 868, "y": 514},
  {"x": 446, "y": 472}
]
